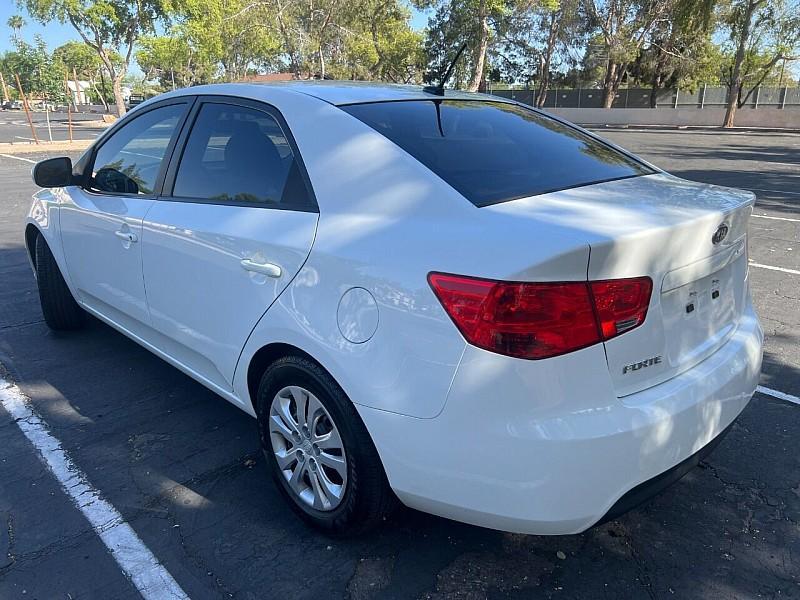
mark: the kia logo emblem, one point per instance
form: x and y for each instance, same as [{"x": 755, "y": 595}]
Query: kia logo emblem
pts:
[{"x": 719, "y": 234}]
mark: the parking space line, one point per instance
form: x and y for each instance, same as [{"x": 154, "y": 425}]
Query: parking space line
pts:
[
  {"x": 18, "y": 158},
  {"x": 149, "y": 577},
  {"x": 777, "y": 218},
  {"x": 771, "y": 268},
  {"x": 777, "y": 394}
]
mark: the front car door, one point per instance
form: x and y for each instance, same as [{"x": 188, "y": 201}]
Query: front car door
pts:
[
  {"x": 101, "y": 223},
  {"x": 234, "y": 225}
]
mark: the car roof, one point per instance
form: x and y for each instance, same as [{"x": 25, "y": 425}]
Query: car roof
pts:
[{"x": 341, "y": 92}]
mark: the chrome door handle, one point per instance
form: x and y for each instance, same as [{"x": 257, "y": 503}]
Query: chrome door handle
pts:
[
  {"x": 127, "y": 236},
  {"x": 268, "y": 269}
]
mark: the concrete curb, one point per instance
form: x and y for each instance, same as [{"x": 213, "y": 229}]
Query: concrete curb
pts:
[{"x": 693, "y": 128}]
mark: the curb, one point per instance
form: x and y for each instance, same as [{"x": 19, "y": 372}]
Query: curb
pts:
[{"x": 696, "y": 128}]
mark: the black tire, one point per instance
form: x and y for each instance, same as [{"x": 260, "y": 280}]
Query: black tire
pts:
[
  {"x": 367, "y": 498},
  {"x": 60, "y": 310}
]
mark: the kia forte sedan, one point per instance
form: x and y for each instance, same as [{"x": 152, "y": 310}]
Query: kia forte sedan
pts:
[{"x": 454, "y": 301}]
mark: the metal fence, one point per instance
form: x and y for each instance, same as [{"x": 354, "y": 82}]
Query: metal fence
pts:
[{"x": 703, "y": 97}]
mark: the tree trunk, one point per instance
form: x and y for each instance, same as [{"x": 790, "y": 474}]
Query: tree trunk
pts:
[
  {"x": 480, "y": 51},
  {"x": 544, "y": 64},
  {"x": 735, "y": 85},
  {"x": 120, "y": 101},
  {"x": 103, "y": 88},
  {"x": 100, "y": 95},
  {"x": 657, "y": 83},
  {"x": 610, "y": 84}
]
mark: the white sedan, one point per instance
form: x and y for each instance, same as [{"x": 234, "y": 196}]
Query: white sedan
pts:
[{"x": 452, "y": 300}]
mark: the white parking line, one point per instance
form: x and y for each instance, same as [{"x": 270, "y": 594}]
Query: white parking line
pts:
[
  {"x": 777, "y": 394},
  {"x": 18, "y": 158},
  {"x": 771, "y": 268},
  {"x": 149, "y": 577},
  {"x": 777, "y": 218}
]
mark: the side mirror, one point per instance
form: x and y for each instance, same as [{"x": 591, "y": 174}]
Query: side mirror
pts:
[{"x": 53, "y": 172}]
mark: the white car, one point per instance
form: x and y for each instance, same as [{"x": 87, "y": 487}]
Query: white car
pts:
[{"x": 452, "y": 300}]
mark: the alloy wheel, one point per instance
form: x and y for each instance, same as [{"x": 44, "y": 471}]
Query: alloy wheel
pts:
[{"x": 308, "y": 448}]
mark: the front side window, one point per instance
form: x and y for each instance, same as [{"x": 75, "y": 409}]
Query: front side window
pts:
[
  {"x": 130, "y": 160},
  {"x": 491, "y": 152},
  {"x": 237, "y": 154}
]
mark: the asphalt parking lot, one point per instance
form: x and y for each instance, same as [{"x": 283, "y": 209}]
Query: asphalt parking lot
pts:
[
  {"x": 183, "y": 468},
  {"x": 14, "y": 127}
]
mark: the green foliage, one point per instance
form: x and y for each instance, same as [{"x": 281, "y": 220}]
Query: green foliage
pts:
[
  {"x": 174, "y": 61},
  {"x": 501, "y": 31},
  {"x": 80, "y": 57},
  {"x": 41, "y": 76},
  {"x": 232, "y": 39},
  {"x": 773, "y": 35},
  {"x": 105, "y": 25},
  {"x": 220, "y": 38}
]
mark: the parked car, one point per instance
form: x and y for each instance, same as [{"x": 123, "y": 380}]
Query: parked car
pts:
[
  {"x": 12, "y": 105},
  {"x": 452, "y": 300}
]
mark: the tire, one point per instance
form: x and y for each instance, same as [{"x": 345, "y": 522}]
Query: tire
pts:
[
  {"x": 366, "y": 498},
  {"x": 60, "y": 310}
]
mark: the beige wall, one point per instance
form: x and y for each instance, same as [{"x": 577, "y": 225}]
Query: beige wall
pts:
[{"x": 745, "y": 117}]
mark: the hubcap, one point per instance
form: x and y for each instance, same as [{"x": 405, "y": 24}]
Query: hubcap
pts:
[{"x": 308, "y": 448}]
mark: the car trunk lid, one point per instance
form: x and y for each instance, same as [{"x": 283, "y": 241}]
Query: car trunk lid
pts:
[{"x": 670, "y": 230}]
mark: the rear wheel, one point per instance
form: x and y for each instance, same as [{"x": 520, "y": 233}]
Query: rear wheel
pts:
[
  {"x": 60, "y": 310},
  {"x": 318, "y": 450}
]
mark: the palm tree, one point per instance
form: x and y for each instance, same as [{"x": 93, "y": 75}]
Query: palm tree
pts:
[{"x": 16, "y": 23}]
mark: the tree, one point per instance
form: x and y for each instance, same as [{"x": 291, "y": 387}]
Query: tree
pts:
[
  {"x": 382, "y": 44},
  {"x": 81, "y": 60},
  {"x": 763, "y": 33},
  {"x": 104, "y": 26},
  {"x": 535, "y": 41},
  {"x": 174, "y": 61},
  {"x": 624, "y": 27},
  {"x": 358, "y": 39},
  {"x": 679, "y": 48},
  {"x": 225, "y": 39},
  {"x": 15, "y": 23},
  {"x": 39, "y": 74}
]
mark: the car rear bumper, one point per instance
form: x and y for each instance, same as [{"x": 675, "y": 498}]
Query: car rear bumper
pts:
[{"x": 546, "y": 447}]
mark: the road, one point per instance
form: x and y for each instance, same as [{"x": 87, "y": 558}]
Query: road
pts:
[
  {"x": 14, "y": 127},
  {"x": 184, "y": 470}
]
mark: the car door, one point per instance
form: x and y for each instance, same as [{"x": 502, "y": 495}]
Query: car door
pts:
[
  {"x": 234, "y": 225},
  {"x": 101, "y": 223}
]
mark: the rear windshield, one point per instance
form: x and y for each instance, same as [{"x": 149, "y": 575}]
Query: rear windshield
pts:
[{"x": 492, "y": 151}]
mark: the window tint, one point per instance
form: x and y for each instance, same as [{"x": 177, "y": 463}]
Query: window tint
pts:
[
  {"x": 129, "y": 161},
  {"x": 493, "y": 151},
  {"x": 239, "y": 154}
]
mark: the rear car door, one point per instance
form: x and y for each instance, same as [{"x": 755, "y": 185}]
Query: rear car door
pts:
[
  {"x": 234, "y": 225},
  {"x": 101, "y": 222}
]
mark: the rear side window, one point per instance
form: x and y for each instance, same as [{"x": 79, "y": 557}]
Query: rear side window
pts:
[
  {"x": 491, "y": 152},
  {"x": 239, "y": 155}
]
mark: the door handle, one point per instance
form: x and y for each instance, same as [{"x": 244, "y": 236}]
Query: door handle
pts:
[
  {"x": 268, "y": 269},
  {"x": 127, "y": 236}
]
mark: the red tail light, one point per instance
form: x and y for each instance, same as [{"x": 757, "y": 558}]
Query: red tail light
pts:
[
  {"x": 621, "y": 304},
  {"x": 540, "y": 320}
]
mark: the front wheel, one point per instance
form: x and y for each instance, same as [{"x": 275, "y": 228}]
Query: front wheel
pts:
[
  {"x": 318, "y": 450},
  {"x": 60, "y": 310}
]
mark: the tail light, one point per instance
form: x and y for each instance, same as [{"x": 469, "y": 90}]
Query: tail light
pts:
[{"x": 540, "y": 320}]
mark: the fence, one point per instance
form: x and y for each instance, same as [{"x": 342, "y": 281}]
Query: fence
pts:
[{"x": 703, "y": 97}]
